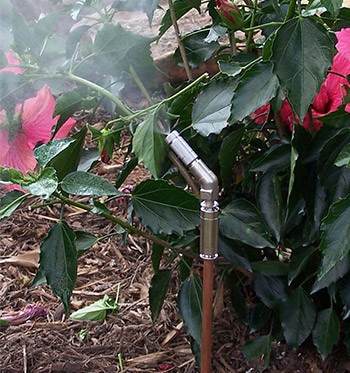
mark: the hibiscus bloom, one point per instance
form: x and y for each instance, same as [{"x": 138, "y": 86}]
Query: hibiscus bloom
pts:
[
  {"x": 32, "y": 124},
  {"x": 331, "y": 94}
]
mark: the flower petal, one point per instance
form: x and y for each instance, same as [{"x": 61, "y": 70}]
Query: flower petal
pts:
[
  {"x": 37, "y": 120},
  {"x": 343, "y": 45}
]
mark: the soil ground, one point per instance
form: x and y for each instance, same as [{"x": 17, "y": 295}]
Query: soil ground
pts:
[{"x": 126, "y": 341}]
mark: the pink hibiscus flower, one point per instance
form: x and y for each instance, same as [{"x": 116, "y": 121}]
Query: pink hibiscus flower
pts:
[
  {"x": 331, "y": 94},
  {"x": 35, "y": 123}
]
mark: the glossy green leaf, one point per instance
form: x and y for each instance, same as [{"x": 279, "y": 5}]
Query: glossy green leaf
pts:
[
  {"x": 299, "y": 260},
  {"x": 270, "y": 289},
  {"x": 240, "y": 220},
  {"x": 269, "y": 198},
  {"x": 88, "y": 159},
  {"x": 343, "y": 158},
  {"x": 165, "y": 208},
  {"x": 157, "y": 292},
  {"x": 229, "y": 150},
  {"x": 297, "y": 314},
  {"x": 149, "y": 144},
  {"x": 259, "y": 348},
  {"x": 229, "y": 253},
  {"x": 275, "y": 159},
  {"x": 86, "y": 184},
  {"x": 156, "y": 256},
  {"x": 66, "y": 105},
  {"x": 335, "y": 238},
  {"x": 256, "y": 88},
  {"x": 326, "y": 331},
  {"x": 301, "y": 69},
  {"x": 96, "y": 311},
  {"x": 270, "y": 267},
  {"x": 339, "y": 270},
  {"x": 333, "y": 6},
  {"x": 211, "y": 109},
  {"x": 68, "y": 159},
  {"x": 46, "y": 152},
  {"x": 10, "y": 202},
  {"x": 197, "y": 49},
  {"x": 190, "y": 305},
  {"x": 83, "y": 241},
  {"x": 58, "y": 261},
  {"x": 45, "y": 185},
  {"x": 259, "y": 316}
]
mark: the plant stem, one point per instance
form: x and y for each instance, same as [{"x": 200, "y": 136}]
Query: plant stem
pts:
[
  {"x": 179, "y": 40},
  {"x": 141, "y": 86},
  {"x": 121, "y": 108},
  {"x": 250, "y": 30},
  {"x": 128, "y": 227},
  {"x": 156, "y": 106}
]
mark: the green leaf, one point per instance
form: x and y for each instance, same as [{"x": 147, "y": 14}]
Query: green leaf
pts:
[
  {"x": 96, "y": 311},
  {"x": 333, "y": 6},
  {"x": 343, "y": 158},
  {"x": 45, "y": 185},
  {"x": 149, "y": 145},
  {"x": 275, "y": 159},
  {"x": 259, "y": 316},
  {"x": 345, "y": 297},
  {"x": 259, "y": 348},
  {"x": 68, "y": 159},
  {"x": 270, "y": 289},
  {"x": 301, "y": 69},
  {"x": 117, "y": 49},
  {"x": 211, "y": 109},
  {"x": 46, "y": 152},
  {"x": 238, "y": 302},
  {"x": 297, "y": 314},
  {"x": 335, "y": 238},
  {"x": 269, "y": 199},
  {"x": 299, "y": 260},
  {"x": 83, "y": 241},
  {"x": 86, "y": 184},
  {"x": 326, "y": 331},
  {"x": 190, "y": 305},
  {"x": 240, "y": 220},
  {"x": 157, "y": 292},
  {"x": 165, "y": 208},
  {"x": 339, "y": 270},
  {"x": 256, "y": 88},
  {"x": 271, "y": 267},
  {"x": 58, "y": 261},
  {"x": 10, "y": 202},
  {"x": 232, "y": 256},
  {"x": 229, "y": 150},
  {"x": 197, "y": 49},
  {"x": 66, "y": 105}
]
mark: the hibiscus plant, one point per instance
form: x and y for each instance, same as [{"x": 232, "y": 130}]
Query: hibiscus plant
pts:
[{"x": 272, "y": 121}]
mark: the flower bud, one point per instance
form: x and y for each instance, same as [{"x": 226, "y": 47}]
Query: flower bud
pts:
[{"x": 229, "y": 13}]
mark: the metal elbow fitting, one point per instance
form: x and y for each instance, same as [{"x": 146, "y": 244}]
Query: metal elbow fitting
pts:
[{"x": 209, "y": 190}]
